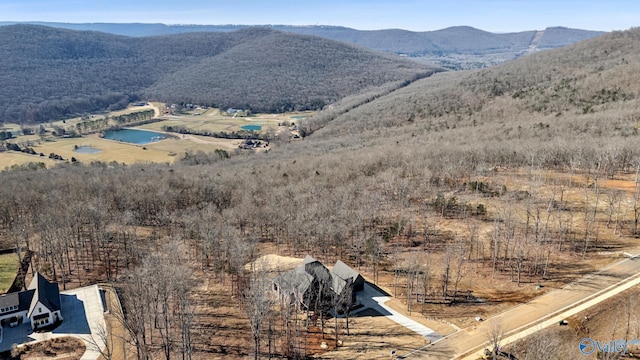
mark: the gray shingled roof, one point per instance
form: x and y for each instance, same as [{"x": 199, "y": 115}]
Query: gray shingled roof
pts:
[
  {"x": 337, "y": 284},
  {"x": 296, "y": 280},
  {"x": 344, "y": 271},
  {"x": 46, "y": 292},
  {"x": 9, "y": 300},
  {"x": 312, "y": 273},
  {"x": 308, "y": 259},
  {"x": 319, "y": 272}
]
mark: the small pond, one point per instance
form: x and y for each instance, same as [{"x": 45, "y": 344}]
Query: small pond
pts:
[
  {"x": 252, "y": 127},
  {"x": 86, "y": 149},
  {"x": 134, "y": 136},
  {"x": 298, "y": 116}
]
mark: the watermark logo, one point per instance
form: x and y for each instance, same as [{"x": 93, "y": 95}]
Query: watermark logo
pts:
[{"x": 588, "y": 346}]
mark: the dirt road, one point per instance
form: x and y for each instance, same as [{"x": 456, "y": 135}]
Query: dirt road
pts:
[{"x": 541, "y": 312}]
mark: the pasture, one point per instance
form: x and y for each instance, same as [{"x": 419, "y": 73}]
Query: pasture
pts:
[
  {"x": 213, "y": 120},
  {"x": 165, "y": 151},
  {"x": 9, "y": 159},
  {"x": 8, "y": 269}
]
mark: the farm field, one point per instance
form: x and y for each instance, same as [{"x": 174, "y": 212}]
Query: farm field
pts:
[
  {"x": 8, "y": 269},
  {"x": 213, "y": 120},
  {"x": 165, "y": 151},
  {"x": 9, "y": 159}
]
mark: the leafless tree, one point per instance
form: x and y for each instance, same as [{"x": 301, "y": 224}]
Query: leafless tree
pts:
[
  {"x": 460, "y": 259},
  {"x": 494, "y": 334},
  {"x": 539, "y": 346},
  {"x": 259, "y": 306},
  {"x": 102, "y": 342}
]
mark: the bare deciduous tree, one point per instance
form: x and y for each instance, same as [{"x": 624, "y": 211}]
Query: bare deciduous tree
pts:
[{"x": 259, "y": 305}]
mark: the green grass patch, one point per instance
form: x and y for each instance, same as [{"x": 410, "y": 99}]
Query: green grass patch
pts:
[{"x": 8, "y": 270}]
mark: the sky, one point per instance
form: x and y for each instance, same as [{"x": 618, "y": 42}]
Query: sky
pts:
[{"x": 415, "y": 15}]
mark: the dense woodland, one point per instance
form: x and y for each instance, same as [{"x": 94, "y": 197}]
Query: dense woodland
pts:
[
  {"x": 370, "y": 183},
  {"x": 50, "y": 73},
  {"x": 453, "y": 40}
]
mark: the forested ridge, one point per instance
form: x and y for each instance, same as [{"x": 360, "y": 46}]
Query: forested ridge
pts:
[
  {"x": 457, "y": 39},
  {"x": 50, "y": 73},
  {"x": 515, "y": 159}
]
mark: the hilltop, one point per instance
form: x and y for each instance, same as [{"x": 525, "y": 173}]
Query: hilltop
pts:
[
  {"x": 589, "y": 89},
  {"x": 48, "y": 73},
  {"x": 459, "y": 47}
]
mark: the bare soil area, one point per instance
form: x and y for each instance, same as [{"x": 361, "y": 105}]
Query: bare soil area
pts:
[
  {"x": 373, "y": 336},
  {"x": 67, "y": 348}
]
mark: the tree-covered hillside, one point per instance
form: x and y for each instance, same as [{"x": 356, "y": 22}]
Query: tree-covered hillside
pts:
[
  {"x": 457, "y": 39},
  {"x": 50, "y": 73},
  {"x": 565, "y": 101},
  {"x": 465, "y": 193},
  {"x": 280, "y": 72}
]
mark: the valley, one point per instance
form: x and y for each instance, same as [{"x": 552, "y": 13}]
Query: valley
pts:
[
  {"x": 169, "y": 137},
  {"x": 462, "y": 195}
]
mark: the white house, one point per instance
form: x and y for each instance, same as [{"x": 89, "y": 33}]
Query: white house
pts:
[{"x": 39, "y": 304}]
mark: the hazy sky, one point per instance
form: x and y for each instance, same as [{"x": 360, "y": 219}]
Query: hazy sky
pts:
[{"x": 490, "y": 15}]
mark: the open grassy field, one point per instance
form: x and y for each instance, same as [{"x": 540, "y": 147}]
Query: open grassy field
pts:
[
  {"x": 8, "y": 269},
  {"x": 159, "y": 152},
  {"x": 163, "y": 151},
  {"x": 212, "y": 120},
  {"x": 9, "y": 159}
]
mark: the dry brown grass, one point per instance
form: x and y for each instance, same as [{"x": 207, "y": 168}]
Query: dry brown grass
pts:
[
  {"x": 64, "y": 348},
  {"x": 211, "y": 120},
  {"x": 373, "y": 337},
  {"x": 165, "y": 151},
  {"x": 10, "y": 158}
]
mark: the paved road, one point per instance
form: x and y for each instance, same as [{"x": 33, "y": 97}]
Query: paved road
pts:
[
  {"x": 373, "y": 299},
  {"x": 544, "y": 310}
]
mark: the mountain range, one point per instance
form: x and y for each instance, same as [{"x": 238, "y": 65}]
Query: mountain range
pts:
[
  {"x": 48, "y": 73},
  {"x": 455, "y": 47}
]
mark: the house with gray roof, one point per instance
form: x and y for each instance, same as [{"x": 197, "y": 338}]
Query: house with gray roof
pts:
[
  {"x": 313, "y": 285},
  {"x": 39, "y": 304},
  {"x": 348, "y": 274}
]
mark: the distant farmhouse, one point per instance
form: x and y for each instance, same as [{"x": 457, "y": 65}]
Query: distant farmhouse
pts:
[
  {"x": 313, "y": 285},
  {"x": 237, "y": 112},
  {"x": 39, "y": 304}
]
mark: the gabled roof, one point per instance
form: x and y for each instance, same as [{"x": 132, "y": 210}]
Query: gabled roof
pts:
[
  {"x": 9, "y": 300},
  {"x": 308, "y": 259},
  {"x": 337, "y": 284},
  {"x": 318, "y": 271},
  {"x": 45, "y": 292},
  {"x": 344, "y": 271},
  {"x": 20, "y": 299},
  {"x": 296, "y": 281}
]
